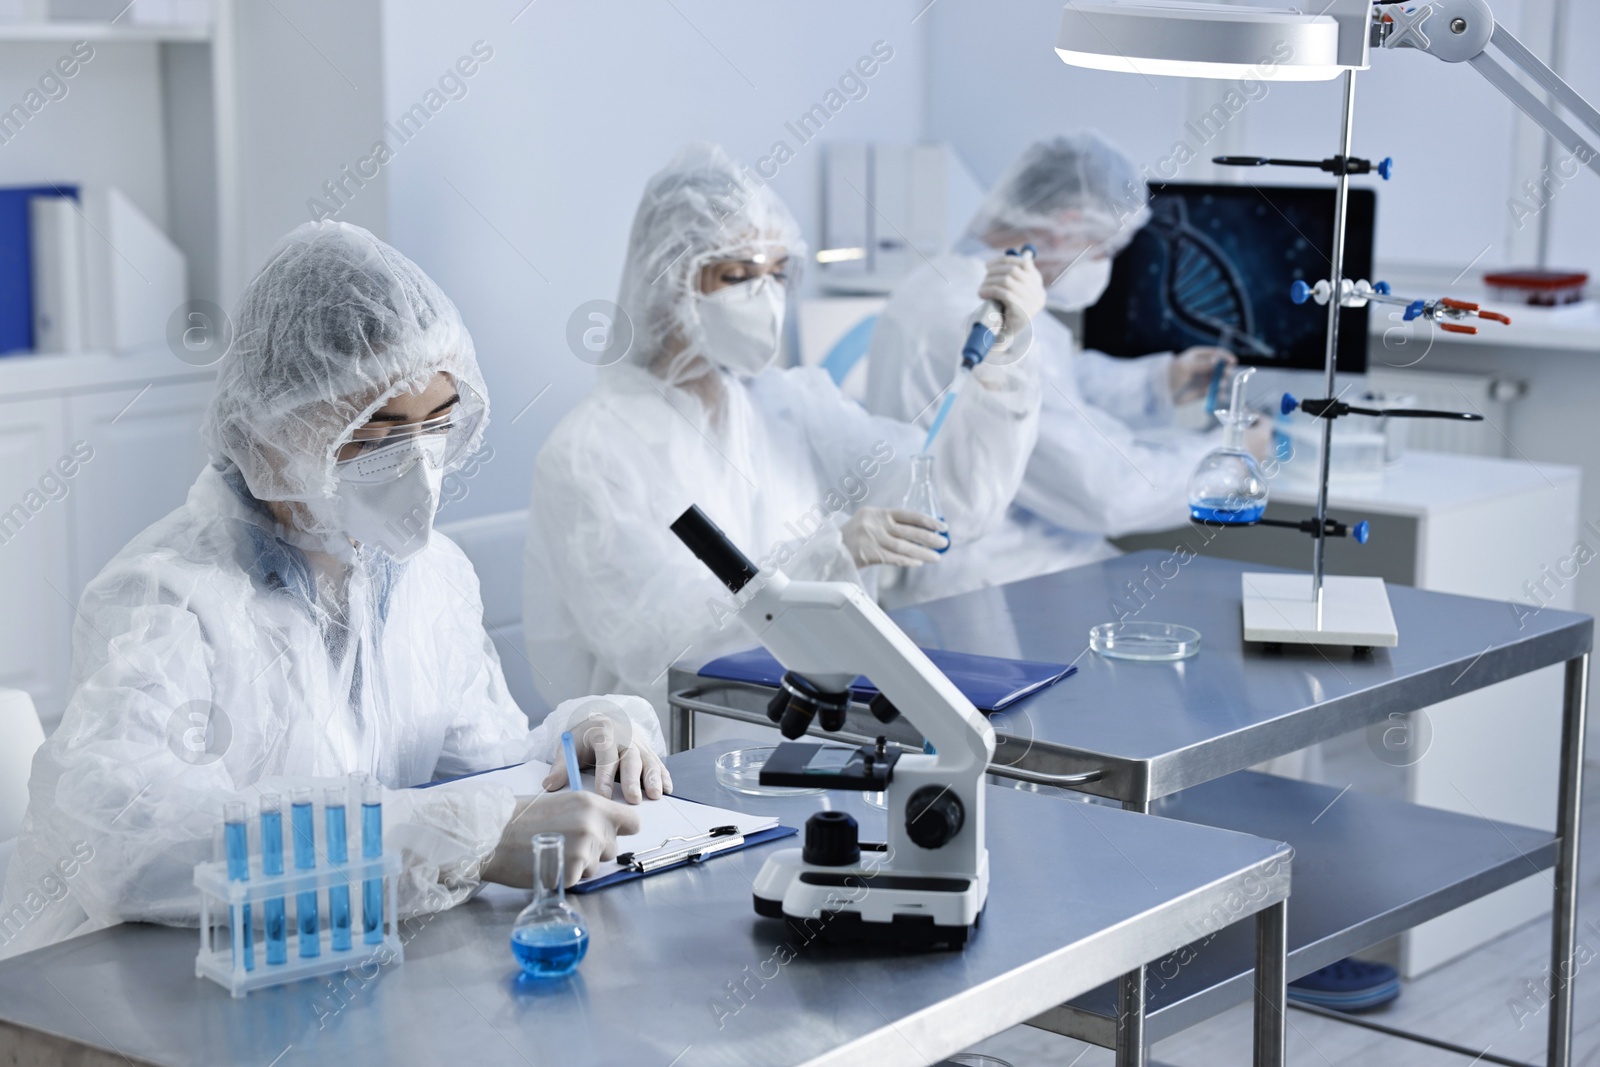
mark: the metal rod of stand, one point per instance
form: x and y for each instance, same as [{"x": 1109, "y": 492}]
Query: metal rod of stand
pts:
[{"x": 1341, "y": 208}]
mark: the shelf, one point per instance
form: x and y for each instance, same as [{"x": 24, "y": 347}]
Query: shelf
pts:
[
  {"x": 31, "y": 374},
  {"x": 102, "y": 32},
  {"x": 1365, "y": 868}
]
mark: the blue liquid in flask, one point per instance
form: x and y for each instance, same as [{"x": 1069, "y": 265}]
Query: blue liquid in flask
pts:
[{"x": 552, "y": 951}]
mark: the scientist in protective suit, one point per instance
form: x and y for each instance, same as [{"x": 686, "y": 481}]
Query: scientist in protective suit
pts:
[{"x": 299, "y": 604}]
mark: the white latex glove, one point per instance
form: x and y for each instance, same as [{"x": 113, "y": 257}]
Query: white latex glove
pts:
[
  {"x": 894, "y": 535},
  {"x": 1015, "y": 283},
  {"x": 605, "y": 740},
  {"x": 589, "y": 825},
  {"x": 1189, "y": 373}
]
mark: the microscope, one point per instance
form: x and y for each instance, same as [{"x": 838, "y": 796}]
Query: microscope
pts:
[{"x": 926, "y": 886}]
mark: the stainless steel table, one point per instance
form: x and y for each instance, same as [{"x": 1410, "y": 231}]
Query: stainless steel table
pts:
[
  {"x": 680, "y": 972},
  {"x": 1133, "y": 734}
]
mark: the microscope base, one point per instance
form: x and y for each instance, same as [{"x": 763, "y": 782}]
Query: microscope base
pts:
[{"x": 871, "y": 905}]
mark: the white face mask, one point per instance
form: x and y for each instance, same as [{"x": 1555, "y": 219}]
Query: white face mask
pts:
[
  {"x": 1080, "y": 285},
  {"x": 394, "y": 514},
  {"x": 742, "y": 325}
]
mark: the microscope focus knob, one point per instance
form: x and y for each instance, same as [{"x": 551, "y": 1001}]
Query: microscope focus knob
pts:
[
  {"x": 934, "y": 815},
  {"x": 832, "y": 840}
]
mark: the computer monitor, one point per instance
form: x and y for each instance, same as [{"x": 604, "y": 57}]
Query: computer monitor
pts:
[{"x": 1214, "y": 267}]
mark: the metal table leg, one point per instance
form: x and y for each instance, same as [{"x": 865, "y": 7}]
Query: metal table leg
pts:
[
  {"x": 682, "y": 729},
  {"x": 1564, "y": 917},
  {"x": 1131, "y": 1050},
  {"x": 1272, "y": 962}
]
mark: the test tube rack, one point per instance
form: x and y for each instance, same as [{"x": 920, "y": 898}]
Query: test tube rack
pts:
[{"x": 222, "y": 903}]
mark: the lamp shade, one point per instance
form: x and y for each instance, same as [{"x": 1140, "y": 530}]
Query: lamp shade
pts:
[{"x": 1199, "y": 40}]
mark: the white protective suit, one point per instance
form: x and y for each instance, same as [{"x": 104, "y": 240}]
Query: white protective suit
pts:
[
  {"x": 778, "y": 460},
  {"x": 1092, "y": 474},
  {"x": 221, "y": 654}
]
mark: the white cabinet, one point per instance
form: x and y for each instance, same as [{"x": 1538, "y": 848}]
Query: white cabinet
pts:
[
  {"x": 147, "y": 452},
  {"x": 93, "y": 448},
  {"x": 34, "y": 576}
]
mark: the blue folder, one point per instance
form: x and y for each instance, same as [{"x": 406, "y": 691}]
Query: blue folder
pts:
[
  {"x": 991, "y": 683},
  {"x": 16, "y": 264}
]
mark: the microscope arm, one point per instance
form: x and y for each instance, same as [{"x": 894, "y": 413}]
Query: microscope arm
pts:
[{"x": 830, "y": 632}]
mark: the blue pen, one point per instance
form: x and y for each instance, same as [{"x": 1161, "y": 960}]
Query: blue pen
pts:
[{"x": 574, "y": 779}]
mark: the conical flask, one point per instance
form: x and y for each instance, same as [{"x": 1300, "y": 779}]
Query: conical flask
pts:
[
  {"x": 923, "y": 496},
  {"x": 1227, "y": 487},
  {"x": 549, "y": 938}
]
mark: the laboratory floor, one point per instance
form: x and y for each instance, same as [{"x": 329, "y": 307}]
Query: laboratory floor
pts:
[{"x": 1467, "y": 1002}]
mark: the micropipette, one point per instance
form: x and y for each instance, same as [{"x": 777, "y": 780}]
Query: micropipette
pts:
[{"x": 986, "y": 323}]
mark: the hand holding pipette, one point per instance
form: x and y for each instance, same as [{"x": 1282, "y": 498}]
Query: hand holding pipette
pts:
[{"x": 1013, "y": 293}]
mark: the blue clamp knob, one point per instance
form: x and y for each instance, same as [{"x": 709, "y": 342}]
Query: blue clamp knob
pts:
[
  {"x": 1386, "y": 169},
  {"x": 1032, "y": 251},
  {"x": 1382, "y": 287},
  {"x": 1415, "y": 310},
  {"x": 1288, "y": 403},
  {"x": 1360, "y": 531},
  {"x": 1300, "y": 292}
]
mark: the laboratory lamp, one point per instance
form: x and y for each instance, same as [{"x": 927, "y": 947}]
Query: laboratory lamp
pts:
[{"x": 1319, "y": 42}]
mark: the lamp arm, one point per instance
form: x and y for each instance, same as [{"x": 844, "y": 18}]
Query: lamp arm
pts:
[
  {"x": 1459, "y": 31},
  {"x": 1536, "y": 109}
]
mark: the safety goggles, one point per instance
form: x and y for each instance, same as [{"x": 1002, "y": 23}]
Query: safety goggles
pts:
[{"x": 385, "y": 451}]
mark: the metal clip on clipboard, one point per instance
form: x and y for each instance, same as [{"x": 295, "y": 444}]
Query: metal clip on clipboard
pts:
[{"x": 682, "y": 850}]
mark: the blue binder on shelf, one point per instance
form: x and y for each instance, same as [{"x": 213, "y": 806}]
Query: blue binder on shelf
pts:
[
  {"x": 991, "y": 683},
  {"x": 16, "y": 264}
]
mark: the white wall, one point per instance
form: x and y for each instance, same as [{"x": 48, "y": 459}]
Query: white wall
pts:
[
  {"x": 98, "y": 133},
  {"x": 312, "y": 98},
  {"x": 518, "y": 197},
  {"x": 995, "y": 84}
]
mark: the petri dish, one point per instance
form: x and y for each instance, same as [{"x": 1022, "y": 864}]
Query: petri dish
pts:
[
  {"x": 1149, "y": 642},
  {"x": 740, "y": 770}
]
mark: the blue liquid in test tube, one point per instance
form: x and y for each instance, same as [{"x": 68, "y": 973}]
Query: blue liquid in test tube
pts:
[
  {"x": 236, "y": 839},
  {"x": 305, "y": 859},
  {"x": 338, "y": 856},
  {"x": 274, "y": 914},
  {"x": 371, "y": 849}
]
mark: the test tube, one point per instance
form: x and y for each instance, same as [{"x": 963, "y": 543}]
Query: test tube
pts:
[
  {"x": 371, "y": 849},
  {"x": 305, "y": 859},
  {"x": 274, "y": 915},
  {"x": 338, "y": 856},
  {"x": 236, "y": 840}
]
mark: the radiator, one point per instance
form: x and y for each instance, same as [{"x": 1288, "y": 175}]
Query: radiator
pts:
[{"x": 1486, "y": 394}]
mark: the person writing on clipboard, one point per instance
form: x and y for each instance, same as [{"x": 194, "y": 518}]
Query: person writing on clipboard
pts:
[{"x": 300, "y": 609}]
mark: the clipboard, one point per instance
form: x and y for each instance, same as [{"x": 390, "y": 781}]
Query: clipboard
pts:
[{"x": 675, "y": 832}]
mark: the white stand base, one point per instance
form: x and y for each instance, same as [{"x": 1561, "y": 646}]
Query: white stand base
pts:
[{"x": 1355, "y": 611}]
